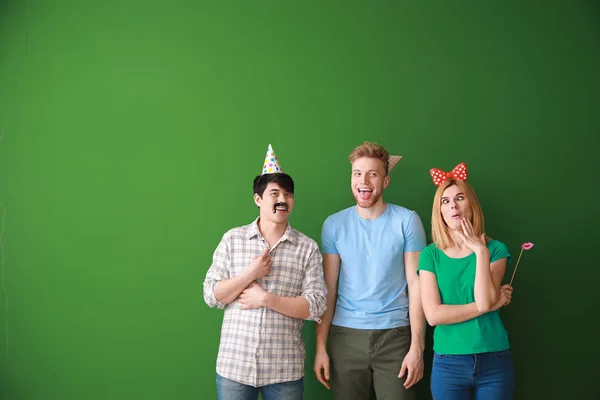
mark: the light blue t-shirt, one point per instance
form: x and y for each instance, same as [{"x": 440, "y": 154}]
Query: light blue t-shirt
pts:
[{"x": 372, "y": 289}]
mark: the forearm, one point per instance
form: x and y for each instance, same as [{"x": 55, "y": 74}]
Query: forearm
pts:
[
  {"x": 417, "y": 317},
  {"x": 322, "y": 329},
  {"x": 445, "y": 314},
  {"x": 226, "y": 291},
  {"x": 294, "y": 307},
  {"x": 485, "y": 291}
]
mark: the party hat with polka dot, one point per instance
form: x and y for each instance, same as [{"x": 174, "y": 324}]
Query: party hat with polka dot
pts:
[{"x": 271, "y": 165}]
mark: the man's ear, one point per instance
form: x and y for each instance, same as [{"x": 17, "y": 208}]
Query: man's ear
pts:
[
  {"x": 386, "y": 181},
  {"x": 257, "y": 200}
]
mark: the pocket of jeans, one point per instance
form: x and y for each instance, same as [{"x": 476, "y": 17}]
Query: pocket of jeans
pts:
[
  {"x": 503, "y": 353},
  {"x": 438, "y": 355}
]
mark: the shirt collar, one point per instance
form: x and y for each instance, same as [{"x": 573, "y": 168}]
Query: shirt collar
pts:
[{"x": 289, "y": 234}]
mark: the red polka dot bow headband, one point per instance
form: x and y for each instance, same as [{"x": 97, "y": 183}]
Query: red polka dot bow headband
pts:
[{"x": 459, "y": 173}]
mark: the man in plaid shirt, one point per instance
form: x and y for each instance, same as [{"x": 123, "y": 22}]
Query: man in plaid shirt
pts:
[{"x": 269, "y": 278}]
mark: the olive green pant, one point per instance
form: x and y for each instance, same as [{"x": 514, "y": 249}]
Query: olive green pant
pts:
[{"x": 363, "y": 360}]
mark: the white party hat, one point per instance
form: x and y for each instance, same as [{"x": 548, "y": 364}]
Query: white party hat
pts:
[{"x": 271, "y": 164}]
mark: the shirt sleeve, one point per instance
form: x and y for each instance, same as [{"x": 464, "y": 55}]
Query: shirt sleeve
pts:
[
  {"x": 498, "y": 251},
  {"x": 218, "y": 271},
  {"x": 328, "y": 237},
  {"x": 426, "y": 260},
  {"x": 414, "y": 234},
  {"x": 313, "y": 286}
]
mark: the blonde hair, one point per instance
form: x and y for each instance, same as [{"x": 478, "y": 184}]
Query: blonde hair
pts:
[
  {"x": 439, "y": 230},
  {"x": 371, "y": 150}
]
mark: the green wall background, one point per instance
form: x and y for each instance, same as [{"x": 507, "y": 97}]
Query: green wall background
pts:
[{"x": 131, "y": 132}]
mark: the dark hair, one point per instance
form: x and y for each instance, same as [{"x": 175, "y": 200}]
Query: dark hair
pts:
[{"x": 262, "y": 181}]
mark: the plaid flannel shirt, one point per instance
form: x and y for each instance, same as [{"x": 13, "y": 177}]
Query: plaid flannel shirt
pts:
[{"x": 260, "y": 346}]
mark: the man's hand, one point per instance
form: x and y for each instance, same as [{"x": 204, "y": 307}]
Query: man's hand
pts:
[
  {"x": 321, "y": 367},
  {"x": 253, "y": 297},
  {"x": 413, "y": 362},
  {"x": 504, "y": 298},
  {"x": 260, "y": 266}
]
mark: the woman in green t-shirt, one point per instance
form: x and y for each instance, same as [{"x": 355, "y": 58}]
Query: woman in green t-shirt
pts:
[{"x": 461, "y": 275}]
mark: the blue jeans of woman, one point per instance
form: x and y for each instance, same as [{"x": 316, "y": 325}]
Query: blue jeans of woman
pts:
[{"x": 483, "y": 376}]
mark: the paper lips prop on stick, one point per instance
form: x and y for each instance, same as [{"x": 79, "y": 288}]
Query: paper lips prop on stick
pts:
[{"x": 524, "y": 246}]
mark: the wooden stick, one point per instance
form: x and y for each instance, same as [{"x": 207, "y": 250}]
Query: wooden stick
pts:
[{"x": 513, "y": 275}]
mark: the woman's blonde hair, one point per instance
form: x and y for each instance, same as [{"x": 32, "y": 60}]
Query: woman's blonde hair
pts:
[{"x": 439, "y": 230}]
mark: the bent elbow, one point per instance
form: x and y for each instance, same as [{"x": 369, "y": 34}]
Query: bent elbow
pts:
[
  {"x": 315, "y": 307},
  {"x": 495, "y": 298},
  {"x": 483, "y": 307},
  {"x": 210, "y": 302},
  {"x": 431, "y": 320},
  {"x": 211, "y": 299}
]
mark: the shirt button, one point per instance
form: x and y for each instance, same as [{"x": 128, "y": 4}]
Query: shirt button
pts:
[{"x": 258, "y": 354}]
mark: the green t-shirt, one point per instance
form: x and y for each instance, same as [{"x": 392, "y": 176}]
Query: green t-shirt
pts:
[{"x": 456, "y": 282}]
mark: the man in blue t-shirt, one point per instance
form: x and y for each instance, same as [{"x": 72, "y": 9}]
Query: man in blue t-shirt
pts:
[{"x": 374, "y": 319}]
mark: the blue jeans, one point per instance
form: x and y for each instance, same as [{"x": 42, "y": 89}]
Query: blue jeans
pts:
[
  {"x": 231, "y": 390},
  {"x": 484, "y": 376}
]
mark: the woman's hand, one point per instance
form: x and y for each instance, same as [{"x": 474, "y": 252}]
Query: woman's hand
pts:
[{"x": 474, "y": 243}]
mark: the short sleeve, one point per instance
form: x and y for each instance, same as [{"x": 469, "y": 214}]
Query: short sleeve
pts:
[
  {"x": 328, "y": 238},
  {"x": 498, "y": 250},
  {"x": 427, "y": 260},
  {"x": 414, "y": 234}
]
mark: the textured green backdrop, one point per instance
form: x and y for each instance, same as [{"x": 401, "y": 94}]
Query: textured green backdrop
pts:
[{"x": 132, "y": 130}]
